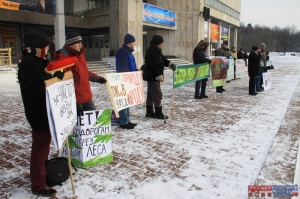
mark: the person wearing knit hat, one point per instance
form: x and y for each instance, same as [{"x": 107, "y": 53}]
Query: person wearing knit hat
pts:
[
  {"x": 31, "y": 75},
  {"x": 253, "y": 69},
  {"x": 81, "y": 75},
  {"x": 153, "y": 73},
  {"x": 125, "y": 62}
]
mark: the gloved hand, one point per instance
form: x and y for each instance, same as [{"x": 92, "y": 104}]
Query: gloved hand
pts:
[
  {"x": 60, "y": 75},
  {"x": 102, "y": 80},
  {"x": 209, "y": 61},
  {"x": 79, "y": 109},
  {"x": 173, "y": 67}
]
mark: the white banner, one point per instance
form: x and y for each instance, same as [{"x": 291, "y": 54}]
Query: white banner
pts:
[
  {"x": 267, "y": 80},
  {"x": 61, "y": 108},
  {"x": 241, "y": 68},
  {"x": 230, "y": 71},
  {"x": 125, "y": 89}
]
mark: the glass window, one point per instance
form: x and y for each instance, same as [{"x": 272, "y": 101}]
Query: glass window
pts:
[
  {"x": 106, "y": 44},
  {"x": 90, "y": 43}
]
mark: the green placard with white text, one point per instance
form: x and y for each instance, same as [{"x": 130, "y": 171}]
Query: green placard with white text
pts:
[{"x": 186, "y": 74}]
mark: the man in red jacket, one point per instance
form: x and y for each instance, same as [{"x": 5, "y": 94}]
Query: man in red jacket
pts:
[{"x": 82, "y": 76}]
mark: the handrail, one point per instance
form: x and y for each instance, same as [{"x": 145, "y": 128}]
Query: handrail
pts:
[{"x": 5, "y": 57}]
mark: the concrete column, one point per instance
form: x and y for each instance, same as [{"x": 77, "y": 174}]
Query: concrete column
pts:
[
  {"x": 208, "y": 38},
  {"x": 220, "y": 31},
  {"x": 59, "y": 25},
  {"x": 126, "y": 17},
  {"x": 235, "y": 37},
  {"x": 229, "y": 40}
]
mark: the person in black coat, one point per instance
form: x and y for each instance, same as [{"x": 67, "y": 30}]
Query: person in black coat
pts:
[
  {"x": 153, "y": 73},
  {"x": 31, "y": 75},
  {"x": 253, "y": 69},
  {"x": 199, "y": 58}
]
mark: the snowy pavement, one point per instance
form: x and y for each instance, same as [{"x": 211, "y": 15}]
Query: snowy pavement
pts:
[{"x": 211, "y": 148}]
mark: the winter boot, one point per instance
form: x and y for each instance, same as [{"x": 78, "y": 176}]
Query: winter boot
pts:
[
  {"x": 150, "y": 111},
  {"x": 159, "y": 114}
]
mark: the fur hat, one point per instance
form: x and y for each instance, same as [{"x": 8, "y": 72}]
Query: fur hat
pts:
[
  {"x": 35, "y": 39},
  {"x": 72, "y": 38},
  {"x": 128, "y": 39},
  {"x": 202, "y": 43},
  {"x": 157, "y": 39},
  {"x": 262, "y": 45},
  {"x": 254, "y": 48}
]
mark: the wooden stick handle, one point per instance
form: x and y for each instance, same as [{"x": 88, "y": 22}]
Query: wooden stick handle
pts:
[{"x": 70, "y": 167}]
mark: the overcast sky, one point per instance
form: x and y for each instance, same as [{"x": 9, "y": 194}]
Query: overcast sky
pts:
[{"x": 269, "y": 13}]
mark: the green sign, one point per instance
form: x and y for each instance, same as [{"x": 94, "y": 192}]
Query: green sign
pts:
[{"x": 186, "y": 74}]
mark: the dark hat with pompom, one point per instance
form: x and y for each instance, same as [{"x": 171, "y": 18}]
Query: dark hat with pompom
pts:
[
  {"x": 73, "y": 38},
  {"x": 34, "y": 39}
]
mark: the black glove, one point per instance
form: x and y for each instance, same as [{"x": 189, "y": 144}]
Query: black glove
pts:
[
  {"x": 79, "y": 109},
  {"x": 173, "y": 67},
  {"x": 209, "y": 61},
  {"x": 234, "y": 58},
  {"x": 102, "y": 80},
  {"x": 60, "y": 75}
]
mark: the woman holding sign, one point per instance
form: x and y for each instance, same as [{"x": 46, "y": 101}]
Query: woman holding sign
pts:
[
  {"x": 32, "y": 74},
  {"x": 153, "y": 73}
]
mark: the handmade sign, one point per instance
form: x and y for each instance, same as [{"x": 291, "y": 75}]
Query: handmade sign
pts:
[
  {"x": 186, "y": 74},
  {"x": 267, "y": 80},
  {"x": 125, "y": 89},
  {"x": 230, "y": 70},
  {"x": 90, "y": 143},
  {"x": 61, "y": 108},
  {"x": 219, "y": 66},
  {"x": 241, "y": 68}
]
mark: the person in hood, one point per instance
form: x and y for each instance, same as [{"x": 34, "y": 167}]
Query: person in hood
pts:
[
  {"x": 199, "y": 58},
  {"x": 31, "y": 75},
  {"x": 153, "y": 73},
  {"x": 81, "y": 75},
  {"x": 125, "y": 62}
]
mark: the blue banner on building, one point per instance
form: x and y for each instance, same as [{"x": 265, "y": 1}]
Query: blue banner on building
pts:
[{"x": 157, "y": 15}]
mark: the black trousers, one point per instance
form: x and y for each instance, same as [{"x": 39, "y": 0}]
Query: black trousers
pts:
[{"x": 252, "y": 85}]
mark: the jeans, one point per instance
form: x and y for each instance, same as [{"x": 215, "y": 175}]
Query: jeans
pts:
[
  {"x": 124, "y": 116},
  {"x": 201, "y": 83},
  {"x": 257, "y": 82},
  {"x": 88, "y": 106}
]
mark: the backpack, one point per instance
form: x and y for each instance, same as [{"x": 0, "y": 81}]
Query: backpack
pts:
[{"x": 57, "y": 171}]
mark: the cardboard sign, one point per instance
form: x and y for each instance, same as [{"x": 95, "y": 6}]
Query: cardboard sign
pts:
[
  {"x": 219, "y": 66},
  {"x": 61, "y": 108},
  {"x": 241, "y": 68},
  {"x": 267, "y": 80},
  {"x": 125, "y": 89},
  {"x": 186, "y": 74},
  {"x": 90, "y": 143}
]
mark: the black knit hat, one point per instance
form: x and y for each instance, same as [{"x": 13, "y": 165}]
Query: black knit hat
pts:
[
  {"x": 128, "y": 39},
  {"x": 35, "y": 39},
  {"x": 72, "y": 38},
  {"x": 157, "y": 39},
  {"x": 254, "y": 48}
]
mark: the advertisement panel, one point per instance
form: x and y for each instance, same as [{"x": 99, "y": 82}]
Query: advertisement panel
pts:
[
  {"x": 214, "y": 31},
  {"x": 157, "y": 15},
  {"x": 46, "y": 7}
]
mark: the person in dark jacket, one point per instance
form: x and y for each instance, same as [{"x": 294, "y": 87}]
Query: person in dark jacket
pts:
[
  {"x": 253, "y": 69},
  {"x": 125, "y": 62},
  {"x": 43, "y": 6},
  {"x": 199, "y": 58},
  {"x": 81, "y": 75},
  {"x": 31, "y": 75},
  {"x": 153, "y": 73}
]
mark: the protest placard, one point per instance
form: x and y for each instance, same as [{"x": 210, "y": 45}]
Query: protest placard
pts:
[
  {"x": 61, "y": 108},
  {"x": 219, "y": 66},
  {"x": 186, "y": 74},
  {"x": 125, "y": 89},
  {"x": 241, "y": 68},
  {"x": 267, "y": 80},
  {"x": 230, "y": 70},
  {"x": 90, "y": 143}
]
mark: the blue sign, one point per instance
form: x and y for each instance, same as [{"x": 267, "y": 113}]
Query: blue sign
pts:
[{"x": 158, "y": 15}]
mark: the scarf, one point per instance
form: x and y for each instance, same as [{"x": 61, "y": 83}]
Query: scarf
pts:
[{"x": 39, "y": 52}]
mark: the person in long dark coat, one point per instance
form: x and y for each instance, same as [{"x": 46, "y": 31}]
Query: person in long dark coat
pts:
[
  {"x": 253, "y": 69},
  {"x": 153, "y": 73},
  {"x": 199, "y": 58}
]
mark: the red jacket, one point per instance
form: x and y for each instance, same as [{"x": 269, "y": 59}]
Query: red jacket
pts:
[{"x": 80, "y": 71}]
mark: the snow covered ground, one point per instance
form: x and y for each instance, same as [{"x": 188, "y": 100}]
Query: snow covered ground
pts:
[{"x": 209, "y": 148}]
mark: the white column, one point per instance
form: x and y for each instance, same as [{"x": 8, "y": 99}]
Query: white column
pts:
[
  {"x": 235, "y": 38},
  {"x": 229, "y": 36},
  {"x": 59, "y": 25},
  {"x": 208, "y": 51},
  {"x": 220, "y": 32}
]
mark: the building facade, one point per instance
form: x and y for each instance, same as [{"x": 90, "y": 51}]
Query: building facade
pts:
[{"x": 103, "y": 24}]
